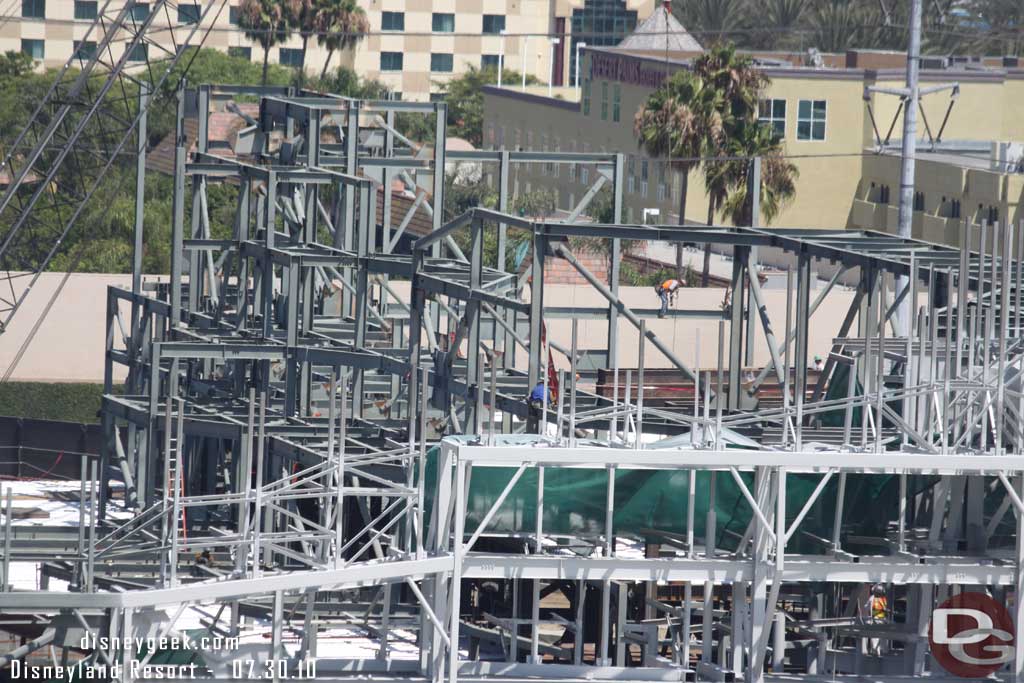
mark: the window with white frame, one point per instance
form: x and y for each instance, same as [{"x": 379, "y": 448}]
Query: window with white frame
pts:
[
  {"x": 772, "y": 113},
  {"x": 810, "y": 120}
]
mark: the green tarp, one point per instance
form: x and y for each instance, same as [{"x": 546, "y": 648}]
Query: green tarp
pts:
[{"x": 648, "y": 502}]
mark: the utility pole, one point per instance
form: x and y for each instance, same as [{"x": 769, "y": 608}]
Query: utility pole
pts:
[{"x": 906, "y": 211}]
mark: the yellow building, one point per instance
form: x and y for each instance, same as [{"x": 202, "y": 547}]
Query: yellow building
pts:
[
  {"x": 412, "y": 46},
  {"x": 822, "y": 107}
]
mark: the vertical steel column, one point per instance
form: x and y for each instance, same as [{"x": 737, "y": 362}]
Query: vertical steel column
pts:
[
  {"x": 1017, "y": 666},
  {"x": 437, "y": 196},
  {"x": 362, "y": 298},
  {"x": 417, "y": 298},
  {"x": 754, "y": 197},
  {"x": 195, "y": 278},
  {"x": 540, "y": 247},
  {"x": 615, "y": 262},
  {"x": 457, "y": 553},
  {"x": 736, "y": 335},
  {"x": 474, "y": 379},
  {"x": 140, "y": 203},
  {"x": 803, "y": 302},
  {"x": 177, "y": 213},
  {"x": 344, "y": 237},
  {"x": 312, "y": 199},
  {"x": 267, "y": 265}
]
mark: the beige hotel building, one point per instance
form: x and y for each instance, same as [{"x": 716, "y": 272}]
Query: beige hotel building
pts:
[
  {"x": 413, "y": 45},
  {"x": 821, "y": 106}
]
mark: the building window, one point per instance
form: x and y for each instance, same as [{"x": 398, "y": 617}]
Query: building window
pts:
[
  {"x": 810, "y": 121},
  {"x": 290, "y": 56},
  {"x": 572, "y": 172},
  {"x": 883, "y": 194},
  {"x": 616, "y": 102},
  {"x": 919, "y": 201},
  {"x": 773, "y": 113},
  {"x": 138, "y": 53},
  {"x": 489, "y": 62},
  {"x": 494, "y": 23},
  {"x": 390, "y": 61},
  {"x": 954, "y": 210},
  {"x": 33, "y": 48},
  {"x": 586, "y": 97},
  {"x": 584, "y": 174},
  {"x": 240, "y": 52},
  {"x": 33, "y": 9},
  {"x": 630, "y": 184},
  {"x": 643, "y": 169},
  {"x": 437, "y": 96},
  {"x": 140, "y": 11},
  {"x": 85, "y": 9},
  {"x": 443, "y": 22},
  {"x": 84, "y": 50},
  {"x": 598, "y": 23},
  {"x": 392, "y": 21},
  {"x": 442, "y": 62},
  {"x": 188, "y": 14},
  {"x": 993, "y": 214},
  {"x": 643, "y": 188},
  {"x": 604, "y": 100},
  {"x": 233, "y": 15}
]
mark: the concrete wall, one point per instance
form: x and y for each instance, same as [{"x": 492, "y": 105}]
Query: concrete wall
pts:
[{"x": 69, "y": 345}]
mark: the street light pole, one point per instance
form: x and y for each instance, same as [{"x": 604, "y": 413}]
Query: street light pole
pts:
[
  {"x": 551, "y": 76},
  {"x": 526, "y": 45},
  {"x": 909, "y": 149},
  {"x": 577, "y": 77}
]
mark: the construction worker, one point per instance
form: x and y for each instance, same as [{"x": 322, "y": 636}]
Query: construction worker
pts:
[
  {"x": 878, "y": 613},
  {"x": 535, "y": 407},
  {"x": 878, "y": 604},
  {"x": 666, "y": 289},
  {"x": 819, "y": 364}
]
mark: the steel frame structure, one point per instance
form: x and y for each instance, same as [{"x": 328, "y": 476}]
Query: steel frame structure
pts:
[{"x": 305, "y": 446}]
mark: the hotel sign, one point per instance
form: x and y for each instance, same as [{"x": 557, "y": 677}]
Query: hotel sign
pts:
[{"x": 604, "y": 66}]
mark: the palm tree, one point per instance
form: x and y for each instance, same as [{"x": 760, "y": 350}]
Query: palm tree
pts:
[
  {"x": 739, "y": 86},
  {"x": 714, "y": 19},
  {"x": 267, "y": 23},
  {"x": 339, "y": 24},
  {"x": 837, "y": 25},
  {"x": 734, "y": 76},
  {"x": 680, "y": 120},
  {"x": 781, "y": 17},
  {"x": 302, "y": 16},
  {"x": 778, "y": 174}
]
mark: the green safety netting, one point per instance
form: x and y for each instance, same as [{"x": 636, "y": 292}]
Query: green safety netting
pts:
[{"x": 652, "y": 503}]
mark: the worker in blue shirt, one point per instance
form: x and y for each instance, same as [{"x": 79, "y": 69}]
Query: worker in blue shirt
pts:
[{"x": 535, "y": 407}]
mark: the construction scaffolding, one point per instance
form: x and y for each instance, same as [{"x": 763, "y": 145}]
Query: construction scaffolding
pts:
[{"x": 320, "y": 431}]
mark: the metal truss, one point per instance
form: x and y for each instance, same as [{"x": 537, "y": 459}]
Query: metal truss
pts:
[{"x": 314, "y": 406}]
